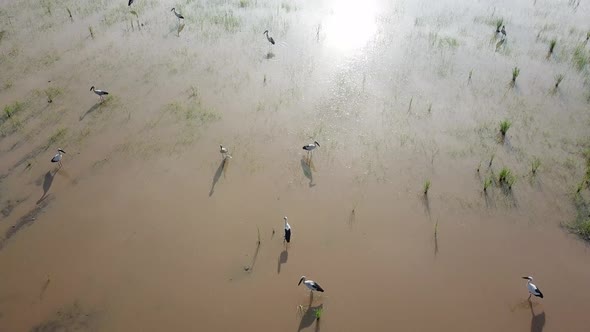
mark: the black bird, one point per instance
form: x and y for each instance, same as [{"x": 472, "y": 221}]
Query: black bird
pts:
[
  {"x": 58, "y": 156},
  {"x": 269, "y": 38},
  {"x": 180, "y": 17}
]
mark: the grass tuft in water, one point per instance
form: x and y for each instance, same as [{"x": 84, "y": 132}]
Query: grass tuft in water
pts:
[
  {"x": 499, "y": 23},
  {"x": 57, "y": 137},
  {"x": 318, "y": 313},
  {"x": 70, "y": 14},
  {"x": 505, "y": 177},
  {"x": 426, "y": 187},
  {"x": 244, "y": 3},
  {"x": 52, "y": 93},
  {"x": 552, "y": 44},
  {"x": 487, "y": 182},
  {"x": 11, "y": 110},
  {"x": 558, "y": 80},
  {"x": 91, "y": 32},
  {"x": 515, "y": 73},
  {"x": 504, "y": 126},
  {"x": 587, "y": 36},
  {"x": 580, "y": 58},
  {"x": 535, "y": 164}
]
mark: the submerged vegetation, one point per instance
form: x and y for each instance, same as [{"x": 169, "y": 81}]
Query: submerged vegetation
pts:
[
  {"x": 504, "y": 126},
  {"x": 552, "y": 44},
  {"x": 535, "y": 164},
  {"x": 558, "y": 80},
  {"x": 515, "y": 73},
  {"x": 505, "y": 177},
  {"x": 426, "y": 187}
]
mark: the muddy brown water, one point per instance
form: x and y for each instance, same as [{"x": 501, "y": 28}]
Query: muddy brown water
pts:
[{"x": 143, "y": 228}]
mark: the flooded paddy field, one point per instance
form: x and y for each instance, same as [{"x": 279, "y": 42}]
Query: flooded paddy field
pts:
[{"x": 453, "y": 160}]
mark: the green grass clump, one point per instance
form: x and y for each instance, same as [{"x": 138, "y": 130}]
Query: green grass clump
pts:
[
  {"x": 426, "y": 187},
  {"x": 487, "y": 182},
  {"x": 228, "y": 20},
  {"x": 13, "y": 109},
  {"x": 505, "y": 177},
  {"x": 515, "y": 73},
  {"x": 582, "y": 229},
  {"x": 558, "y": 80},
  {"x": 244, "y": 3},
  {"x": 57, "y": 137},
  {"x": 499, "y": 23},
  {"x": 318, "y": 313},
  {"x": 52, "y": 93},
  {"x": 580, "y": 58},
  {"x": 552, "y": 44},
  {"x": 535, "y": 164},
  {"x": 504, "y": 126}
]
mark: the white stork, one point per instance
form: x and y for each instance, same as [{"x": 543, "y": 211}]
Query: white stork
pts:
[
  {"x": 100, "y": 93},
  {"x": 533, "y": 289},
  {"x": 312, "y": 285},
  {"x": 287, "y": 230},
  {"x": 180, "y": 17},
  {"x": 58, "y": 156}
]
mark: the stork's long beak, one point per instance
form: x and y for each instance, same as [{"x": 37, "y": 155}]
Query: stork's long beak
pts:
[
  {"x": 300, "y": 280},
  {"x": 527, "y": 278}
]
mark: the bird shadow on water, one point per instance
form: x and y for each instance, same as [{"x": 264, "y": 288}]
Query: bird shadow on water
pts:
[
  {"x": 220, "y": 170},
  {"x": 282, "y": 259},
  {"x": 90, "y": 110},
  {"x": 47, "y": 182},
  {"x": 307, "y": 166},
  {"x": 537, "y": 321},
  {"x": 309, "y": 317}
]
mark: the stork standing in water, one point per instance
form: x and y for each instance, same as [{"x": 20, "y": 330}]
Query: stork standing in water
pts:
[
  {"x": 312, "y": 285},
  {"x": 180, "y": 17},
  {"x": 224, "y": 152},
  {"x": 310, "y": 147},
  {"x": 533, "y": 289},
  {"x": 269, "y": 38},
  {"x": 58, "y": 156},
  {"x": 100, "y": 93},
  {"x": 287, "y": 231}
]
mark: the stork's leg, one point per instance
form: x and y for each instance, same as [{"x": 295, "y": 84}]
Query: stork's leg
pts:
[{"x": 529, "y": 298}]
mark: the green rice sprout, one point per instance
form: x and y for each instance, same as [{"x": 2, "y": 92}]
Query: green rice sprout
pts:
[
  {"x": 580, "y": 58},
  {"x": 318, "y": 313},
  {"x": 504, "y": 126},
  {"x": 426, "y": 187},
  {"x": 515, "y": 73},
  {"x": 552, "y": 44},
  {"x": 491, "y": 160},
  {"x": 70, "y": 14},
  {"x": 505, "y": 177},
  {"x": 487, "y": 182},
  {"x": 535, "y": 164},
  {"x": 499, "y": 23},
  {"x": 91, "y": 32},
  {"x": 587, "y": 36},
  {"x": 558, "y": 80}
]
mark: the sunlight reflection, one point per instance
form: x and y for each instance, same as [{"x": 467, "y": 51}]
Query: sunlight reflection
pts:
[{"x": 351, "y": 24}]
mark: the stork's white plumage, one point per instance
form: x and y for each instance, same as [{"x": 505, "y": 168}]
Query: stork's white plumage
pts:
[
  {"x": 180, "y": 17},
  {"x": 100, "y": 93},
  {"x": 287, "y": 230},
  {"x": 269, "y": 38},
  {"x": 311, "y": 146},
  {"x": 58, "y": 156},
  {"x": 312, "y": 285},
  {"x": 224, "y": 152},
  {"x": 532, "y": 288}
]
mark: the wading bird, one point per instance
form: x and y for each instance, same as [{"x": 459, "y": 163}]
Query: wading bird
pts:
[
  {"x": 269, "y": 38},
  {"x": 180, "y": 17},
  {"x": 100, "y": 93},
  {"x": 58, "y": 156},
  {"x": 533, "y": 289},
  {"x": 312, "y": 285},
  {"x": 311, "y": 146},
  {"x": 287, "y": 230},
  {"x": 224, "y": 152}
]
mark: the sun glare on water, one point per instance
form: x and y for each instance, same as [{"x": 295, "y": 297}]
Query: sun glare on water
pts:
[{"x": 351, "y": 25}]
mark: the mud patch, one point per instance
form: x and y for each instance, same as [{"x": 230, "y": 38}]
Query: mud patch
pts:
[{"x": 71, "y": 318}]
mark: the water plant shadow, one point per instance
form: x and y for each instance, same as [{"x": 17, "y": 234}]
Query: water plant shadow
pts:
[
  {"x": 250, "y": 268},
  {"x": 352, "y": 218},
  {"x": 307, "y": 171},
  {"x": 217, "y": 176},
  {"x": 28, "y": 219},
  {"x": 426, "y": 202},
  {"x": 179, "y": 30},
  {"x": 309, "y": 317},
  {"x": 90, "y": 110},
  {"x": 282, "y": 259}
]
